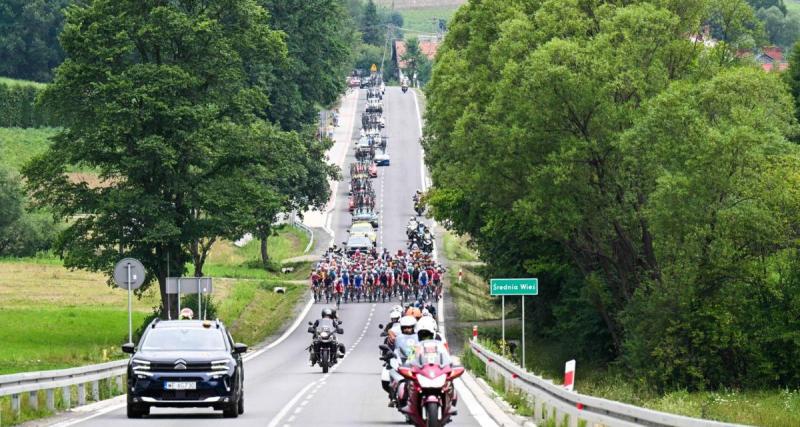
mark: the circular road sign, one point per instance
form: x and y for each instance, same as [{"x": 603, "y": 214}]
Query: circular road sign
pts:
[{"x": 121, "y": 273}]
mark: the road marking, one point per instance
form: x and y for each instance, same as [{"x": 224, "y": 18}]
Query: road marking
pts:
[
  {"x": 275, "y": 421},
  {"x": 286, "y": 334}
]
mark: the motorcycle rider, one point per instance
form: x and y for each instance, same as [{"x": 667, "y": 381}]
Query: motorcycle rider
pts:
[
  {"x": 404, "y": 347},
  {"x": 328, "y": 318}
]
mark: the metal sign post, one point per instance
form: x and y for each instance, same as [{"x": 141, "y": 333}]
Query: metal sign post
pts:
[
  {"x": 129, "y": 274},
  {"x": 522, "y": 287},
  {"x": 503, "y": 322}
]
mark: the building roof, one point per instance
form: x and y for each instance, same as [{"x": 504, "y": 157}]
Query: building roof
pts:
[
  {"x": 426, "y": 46},
  {"x": 774, "y": 53}
]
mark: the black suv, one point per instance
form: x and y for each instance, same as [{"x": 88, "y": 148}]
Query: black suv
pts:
[{"x": 185, "y": 363}]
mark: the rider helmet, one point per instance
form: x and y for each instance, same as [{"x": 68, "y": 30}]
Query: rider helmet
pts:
[
  {"x": 327, "y": 312},
  {"x": 186, "y": 314},
  {"x": 426, "y": 313},
  {"x": 395, "y": 315},
  {"x": 425, "y": 328},
  {"x": 407, "y": 324}
]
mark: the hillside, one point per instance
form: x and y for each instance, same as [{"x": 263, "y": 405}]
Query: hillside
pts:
[{"x": 419, "y": 4}]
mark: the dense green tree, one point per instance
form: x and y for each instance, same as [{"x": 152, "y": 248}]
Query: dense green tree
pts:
[
  {"x": 416, "y": 61},
  {"x": 580, "y": 150},
  {"x": 766, "y": 4},
  {"x": 781, "y": 29},
  {"x": 29, "y": 31},
  {"x": 372, "y": 28},
  {"x": 320, "y": 40},
  {"x": 165, "y": 100}
]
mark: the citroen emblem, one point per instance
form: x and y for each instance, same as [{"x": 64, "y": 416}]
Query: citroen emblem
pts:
[{"x": 180, "y": 365}]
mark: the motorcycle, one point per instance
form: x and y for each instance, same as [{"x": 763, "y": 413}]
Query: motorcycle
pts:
[
  {"x": 325, "y": 349},
  {"x": 429, "y": 392},
  {"x": 404, "y": 88}
]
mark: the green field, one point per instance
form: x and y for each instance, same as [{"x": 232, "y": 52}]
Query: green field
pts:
[
  {"x": 52, "y": 314},
  {"x": 421, "y": 20},
  {"x": 793, "y": 6},
  {"x": 17, "y": 146},
  {"x": 14, "y": 82}
]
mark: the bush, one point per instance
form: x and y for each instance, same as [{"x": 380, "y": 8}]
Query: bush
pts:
[
  {"x": 18, "y": 107},
  {"x": 22, "y": 232}
]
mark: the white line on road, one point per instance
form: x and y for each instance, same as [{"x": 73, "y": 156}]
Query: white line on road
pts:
[{"x": 289, "y": 405}]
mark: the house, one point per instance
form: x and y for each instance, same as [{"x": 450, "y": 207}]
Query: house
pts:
[
  {"x": 771, "y": 59},
  {"x": 428, "y": 46}
]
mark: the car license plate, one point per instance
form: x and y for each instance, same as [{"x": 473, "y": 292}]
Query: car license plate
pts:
[{"x": 180, "y": 386}]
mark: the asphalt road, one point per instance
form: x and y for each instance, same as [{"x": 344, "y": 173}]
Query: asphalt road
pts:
[{"x": 281, "y": 389}]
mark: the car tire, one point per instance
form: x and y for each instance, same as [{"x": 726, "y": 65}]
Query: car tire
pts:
[
  {"x": 137, "y": 411},
  {"x": 231, "y": 410}
]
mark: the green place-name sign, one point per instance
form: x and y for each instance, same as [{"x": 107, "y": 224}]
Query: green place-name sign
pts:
[{"x": 514, "y": 286}]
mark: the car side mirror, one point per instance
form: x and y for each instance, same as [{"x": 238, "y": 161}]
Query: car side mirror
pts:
[
  {"x": 128, "y": 347},
  {"x": 240, "y": 348}
]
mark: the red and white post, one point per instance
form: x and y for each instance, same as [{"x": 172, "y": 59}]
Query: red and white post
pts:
[
  {"x": 475, "y": 333},
  {"x": 569, "y": 375},
  {"x": 460, "y": 274}
]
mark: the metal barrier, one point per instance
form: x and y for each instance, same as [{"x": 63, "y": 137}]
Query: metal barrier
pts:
[
  {"x": 30, "y": 383},
  {"x": 552, "y": 401}
]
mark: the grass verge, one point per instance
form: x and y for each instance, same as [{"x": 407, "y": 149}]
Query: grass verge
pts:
[
  {"x": 456, "y": 249},
  {"x": 17, "y": 146},
  {"x": 546, "y": 357}
]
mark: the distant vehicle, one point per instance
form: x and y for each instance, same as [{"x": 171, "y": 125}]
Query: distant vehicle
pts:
[
  {"x": 366, "y": 215},
  {"x": 358, "y": 243},
  {"x": 364, "y": 228},
  {"x": 185, "y": 364},
  {"x": 382, "y": 159}
]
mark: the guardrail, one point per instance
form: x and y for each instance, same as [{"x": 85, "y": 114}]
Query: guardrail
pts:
[
  {"x": 30, "y": 383},
  {"x": 552, "y": 401}
]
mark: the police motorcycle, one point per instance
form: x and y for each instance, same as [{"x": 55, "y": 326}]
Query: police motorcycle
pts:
[{"x": 325, "y": 349}]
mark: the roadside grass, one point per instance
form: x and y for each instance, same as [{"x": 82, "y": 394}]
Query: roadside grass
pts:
[
  {"x": 546, "y": 357},
  {"x": 257, "y": 311},
  {"x": 422, "y": 19},
  {"x": 228, "y": 260},
  {"x": 56, "y": 338},
  {"x": 792, "y": 6},
  {"x": 18, "y": 146},
  {"x": 456, "y": 249},
  {"x": 472, "y": 300}
]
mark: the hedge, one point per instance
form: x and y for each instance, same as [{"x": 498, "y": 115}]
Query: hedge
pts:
[{"x": 18, "y": 107}]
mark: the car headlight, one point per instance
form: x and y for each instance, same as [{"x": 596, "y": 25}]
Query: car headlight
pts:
[
  {"x": 141, "y": 368},
  {"x": 426, "y": 382},
  {"x": 220, "y": 368}
]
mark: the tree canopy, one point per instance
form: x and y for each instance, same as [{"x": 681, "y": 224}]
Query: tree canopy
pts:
[
  {"x": 29, "y": 31},
  {"x": 169, "y": 102},
  {"x": 647, "y": 183}
]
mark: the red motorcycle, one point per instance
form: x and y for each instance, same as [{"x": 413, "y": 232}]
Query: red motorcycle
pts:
[{"x": 431, "y": 395}]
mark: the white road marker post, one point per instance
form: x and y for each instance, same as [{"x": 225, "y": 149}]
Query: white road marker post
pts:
[{"x": 569, "y": 375}]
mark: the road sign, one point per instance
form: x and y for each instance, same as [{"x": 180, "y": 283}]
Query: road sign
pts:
[
  {"x": 129, "y": 274},
  {"x": 137, "y": 273},
  {"x": 374, "y": 68},
  {"x": 189, "y": 285},
  {"x": 514, "y": 286}
]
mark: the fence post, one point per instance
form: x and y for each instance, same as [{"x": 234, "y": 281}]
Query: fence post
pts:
[
  {"x": 81, "y": 394},
  {"x": 96, "y": 391},
  {"x": 51, "y": 399},
  {"x": 475, "y": 333},
  {"x": 15, "y": 406},
  {"x": 66, "y": 396},
  {"x": 33, "y": 400},
  {"x": 120, "y": 389}
]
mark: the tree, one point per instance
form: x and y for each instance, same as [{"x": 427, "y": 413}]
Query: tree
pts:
[
  {"x": 372, "y": 29},
  {"x": 320, "y": 41},
  {"x": 417, "y": 64},
  {"x": 29, "y": 31},
  {"x": 11, "y": 199},
  {"x": 580, "y": 149},
  {"x": 781, "y": 29},
  {"x": 160, "y": 98}
]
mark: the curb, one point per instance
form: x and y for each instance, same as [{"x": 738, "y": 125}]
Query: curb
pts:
[{"x": 488, "y": 400}]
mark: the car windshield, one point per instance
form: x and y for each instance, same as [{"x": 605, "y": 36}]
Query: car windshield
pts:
[
  {"x": 363, "y": 228},
  {"x": 184, "y": 339}
]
